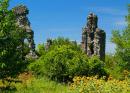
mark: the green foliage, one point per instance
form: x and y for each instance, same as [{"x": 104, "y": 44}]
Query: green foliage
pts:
[
  {"x": 41, "y": 49},
  {"x": 64, "y": 41},
  {"x": 42, "y": 85},
  {"x": 122, "y": 41},
  {"x": 37, "y": 85},
  {"x": 96, "y": 67},
  {"x": 112, "y": 66},
  {"x": 65, "y": 60},
  {"x": 10, "y": 39},
  {"x": 61, "y": 41},
  {"x": 26, "y": 49}
]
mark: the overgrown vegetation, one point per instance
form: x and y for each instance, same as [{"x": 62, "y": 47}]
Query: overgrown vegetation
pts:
[
  {"x": 57, "y": 66},
  {"x": 10, "y": 38},
  {"x": 120, "y": 61},
  {"x": 95, "y": 85},
  {"x": 64, "y": 60}
]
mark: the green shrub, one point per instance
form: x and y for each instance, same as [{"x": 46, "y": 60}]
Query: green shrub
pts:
[
  {"x": 63, "y": 62},
  {"x": 112, "y": 66},
  {"x": 41, "y": 49}
]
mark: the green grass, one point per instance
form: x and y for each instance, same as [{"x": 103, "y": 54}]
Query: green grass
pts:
[{"x": 40, "y": 85}]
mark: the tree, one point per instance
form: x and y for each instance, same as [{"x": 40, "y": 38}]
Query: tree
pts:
[
  {"x": 122, "y": 41},
  {"x": 64, "y": 60},
  {"x": 10, "y": 41}
]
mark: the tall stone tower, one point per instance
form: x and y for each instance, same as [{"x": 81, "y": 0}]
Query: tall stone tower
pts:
[
  {"x": 93, "y": 38},
  {"x": 21, "y": 13}
]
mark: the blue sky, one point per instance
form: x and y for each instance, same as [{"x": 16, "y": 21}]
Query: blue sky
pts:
[{"x": 53, "y": 18}]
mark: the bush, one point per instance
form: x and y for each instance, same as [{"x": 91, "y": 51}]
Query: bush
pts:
[
  {"x": 41, "y": 49},
  {"x": 63, "y": 62},
  {"x": 114, "y": 67}
]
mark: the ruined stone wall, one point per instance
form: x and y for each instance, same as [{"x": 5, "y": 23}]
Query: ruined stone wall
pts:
[
  {"x": 21, "y": 13},
  {"x": 93, "y": 38}
]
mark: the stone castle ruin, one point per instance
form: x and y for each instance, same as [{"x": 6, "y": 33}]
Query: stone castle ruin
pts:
[
  {"x": 21, "y": 13},
  {"x": 93, "y": 38}
]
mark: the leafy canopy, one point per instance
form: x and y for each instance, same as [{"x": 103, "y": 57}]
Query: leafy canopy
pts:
[
  {"x": 10, "y": 39},
  {"x": 122, "y": 41}
]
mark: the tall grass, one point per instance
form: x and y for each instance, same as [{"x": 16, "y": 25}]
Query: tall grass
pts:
[
  {"x": 42, "y": 85},
  {"x": 31, "y": 84}
]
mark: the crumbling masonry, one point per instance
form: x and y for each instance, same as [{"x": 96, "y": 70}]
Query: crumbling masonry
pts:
[
  {"x": 21, "y": 13},
  {"x": 93, "y": 38}
]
